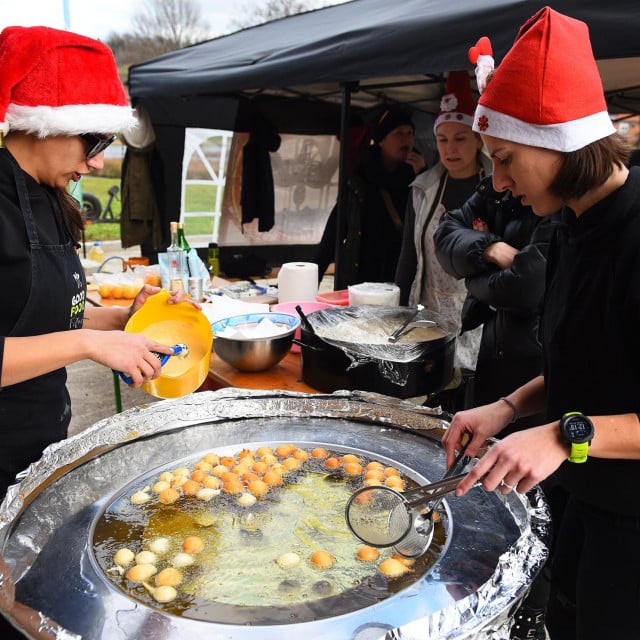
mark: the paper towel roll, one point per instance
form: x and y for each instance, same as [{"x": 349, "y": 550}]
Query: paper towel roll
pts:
[
  {"x": 383, "y": 293},
  {"x": 297, "y": 282}
]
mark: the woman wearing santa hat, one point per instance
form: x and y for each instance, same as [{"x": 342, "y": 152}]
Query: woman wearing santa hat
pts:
[
  {"x": 544, "y": 120},
  {"x": 61, "y": 104},
  {"x": 446, "y": 185}
]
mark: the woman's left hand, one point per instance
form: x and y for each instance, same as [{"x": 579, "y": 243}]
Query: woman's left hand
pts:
[{"x": 149, "y": 290}]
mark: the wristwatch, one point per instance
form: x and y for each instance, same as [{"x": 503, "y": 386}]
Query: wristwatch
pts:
[{"x": 577, "y": 430}]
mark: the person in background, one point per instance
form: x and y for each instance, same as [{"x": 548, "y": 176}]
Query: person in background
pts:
[
  {"x": 55, "y": 127},
  {"x": 377, "y": 198},
  {"x": 557, "y": 152},
  {"x": 446, "y": 185}
]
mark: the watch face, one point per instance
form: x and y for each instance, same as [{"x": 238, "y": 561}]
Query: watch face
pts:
[{"x": 578, "y": 430}]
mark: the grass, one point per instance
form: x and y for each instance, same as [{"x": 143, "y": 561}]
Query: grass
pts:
[{"x": 198, "y": 198}]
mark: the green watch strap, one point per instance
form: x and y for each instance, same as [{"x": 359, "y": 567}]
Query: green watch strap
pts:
[{"x": 579, "y": 452}]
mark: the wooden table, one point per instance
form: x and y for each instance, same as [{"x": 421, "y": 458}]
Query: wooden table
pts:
[{"x": 286, "y": 375}]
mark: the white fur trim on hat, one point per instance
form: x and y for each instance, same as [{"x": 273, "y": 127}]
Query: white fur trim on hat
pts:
[
  {"x": 45, "y": 121},
  {"x": 453, "y": 116},
  {"x": 564, "y": 136}
]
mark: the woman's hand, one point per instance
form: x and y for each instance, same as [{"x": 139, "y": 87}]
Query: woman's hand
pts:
[
  {"x": 131, "y": 353},
  {"x": 518, "y": 462},
  {"x": 500, "y": 253},
  {"x": 149, "y": 290}
]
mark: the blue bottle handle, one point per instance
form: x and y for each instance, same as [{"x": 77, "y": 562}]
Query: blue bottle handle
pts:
[{"x": 163, "y": 357}]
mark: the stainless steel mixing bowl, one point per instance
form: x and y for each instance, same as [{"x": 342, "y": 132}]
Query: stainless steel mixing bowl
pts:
[{"x": 256, "y": 353}]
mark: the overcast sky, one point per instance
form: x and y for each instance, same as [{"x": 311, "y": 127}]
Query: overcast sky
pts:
[{"x": 99, "y": 18}]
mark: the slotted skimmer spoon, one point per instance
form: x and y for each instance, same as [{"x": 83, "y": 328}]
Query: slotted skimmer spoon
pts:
[{"x": 383, "y": 517}]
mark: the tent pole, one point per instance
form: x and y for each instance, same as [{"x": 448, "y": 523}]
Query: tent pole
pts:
[{"x": 339, "y": 278}]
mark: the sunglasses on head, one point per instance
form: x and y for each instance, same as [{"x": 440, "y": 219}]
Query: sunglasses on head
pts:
[{"x": 97, "y": 144}]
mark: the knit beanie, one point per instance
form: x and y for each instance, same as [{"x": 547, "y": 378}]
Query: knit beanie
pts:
[{"x": 391, "y": 118}]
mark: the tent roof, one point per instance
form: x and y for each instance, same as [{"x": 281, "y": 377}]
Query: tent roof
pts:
[{"x": 394, "y": 51}]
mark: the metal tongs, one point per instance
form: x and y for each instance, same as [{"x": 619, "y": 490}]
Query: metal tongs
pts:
[{"x": 409, "y": 324}]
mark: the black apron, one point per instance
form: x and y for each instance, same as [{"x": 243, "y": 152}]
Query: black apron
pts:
[{"x": 36, "y": 412}]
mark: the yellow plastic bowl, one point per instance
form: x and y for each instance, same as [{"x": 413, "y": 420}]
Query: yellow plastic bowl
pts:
[{"x": 173, "y": 324}]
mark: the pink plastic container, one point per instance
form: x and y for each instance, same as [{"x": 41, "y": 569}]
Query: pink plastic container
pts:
[
  {"x": 334, "y": 298},
  {"x": 307, "y": 307}
]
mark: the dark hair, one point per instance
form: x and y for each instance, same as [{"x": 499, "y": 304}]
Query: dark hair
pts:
[
  {"x": 71, "y": 211},
  {"x": 589, "y": 167}
]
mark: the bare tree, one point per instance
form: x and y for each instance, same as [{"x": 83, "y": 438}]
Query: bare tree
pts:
[
  {"x": 274, "y": 9},
  {"x": 172, "y": 24}
]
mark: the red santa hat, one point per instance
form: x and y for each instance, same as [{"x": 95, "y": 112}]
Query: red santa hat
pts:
[
  {"x": 457, "y": 104},
  {"x": 547, "y": 91},
  {"x": 56, "y": 82}
]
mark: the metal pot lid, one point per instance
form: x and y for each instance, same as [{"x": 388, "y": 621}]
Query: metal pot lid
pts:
[{"x": 45, "y": 521}]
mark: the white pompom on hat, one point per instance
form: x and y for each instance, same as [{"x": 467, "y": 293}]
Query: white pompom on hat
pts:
[
  {"x": 457, "y": 103},
  {"x": 59, "y": 83},
  {"x": 547, "y": 91}
]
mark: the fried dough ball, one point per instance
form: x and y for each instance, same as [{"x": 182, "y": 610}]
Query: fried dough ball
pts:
[
  {"x": 169, "y": 577},
  {"x": 301, "y": 454},
  {"x": 259, "y": 488},
  {"x": 211, "y": 482},
  {"x": 159, "y": 546},
  {"x": 332, "y": 463},
  {"x": 291, "y": 464},
  {"x": 192, "y": 544},
  {"x": 247, "y": 500},
  {"x": 367, "y": 554},
  {"x": 392, "y": 568},
  {"x": 350, "y": 457},
  {"x": 191, "y": 487},
  {"x": 160, "y": 486},
  {"x": 212, "y": 458},
  {"x": 288, "y": 560},
  {"x": 124, "y": 557},
  {"x": 263, "y": 451},
  {"x": 182, "y": 560},
  {"x": 285, "y": 450},
  {"x": 353, "y": 468},
  {"x": 207, "y": 494},
  {"x": 322, "y": 559},
  {"x": 395, "y": 482},
  {"x": 269, "y": 459},
  {"x": 140, "y": 497},
  {"x": 390, "y": 471},
  {"x": 272, "y": 478},
  {"x": 198, "y": 475},
  {"x": 234, "y": 487},
  {"x": 319, "y": 452},
  {"x": 168, "y": 496},
  {"x": 164, "y": 594},
  {"x": 260, "y": 467},
  {"x": 146, "y": 557},
  {"x": 141, "y": 572}
]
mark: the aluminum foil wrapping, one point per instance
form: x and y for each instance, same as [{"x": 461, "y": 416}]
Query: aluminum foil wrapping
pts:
[{"x": 497, "y": 544}]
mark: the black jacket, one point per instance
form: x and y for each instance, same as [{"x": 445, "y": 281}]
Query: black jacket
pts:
[
  {"x": 508, "y": 301},
  {"x": 371, "y": 246}
]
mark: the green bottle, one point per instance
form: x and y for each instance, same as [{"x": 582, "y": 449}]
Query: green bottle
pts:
[
  {"x": 213, "y": 258},
  {"x": 184, "y": 245}
]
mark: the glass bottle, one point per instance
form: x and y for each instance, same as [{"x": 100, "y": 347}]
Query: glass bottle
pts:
[
  {"x": 213, "y": 258},
  {"x": 176, "y": 261},
  {"x": 184, "y": 245}
]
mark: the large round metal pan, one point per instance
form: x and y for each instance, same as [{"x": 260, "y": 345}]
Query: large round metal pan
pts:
[{"x": 45, "y": 523}]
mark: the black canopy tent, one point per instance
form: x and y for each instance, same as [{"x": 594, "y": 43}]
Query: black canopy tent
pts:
[{"x": 307, "y": 73}]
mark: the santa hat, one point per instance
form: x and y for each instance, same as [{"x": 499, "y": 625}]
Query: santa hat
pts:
[
  {"x": 55, "y": 82},
  {"x": 457, "y": 104},
  {"x": 547, "y": 91}
]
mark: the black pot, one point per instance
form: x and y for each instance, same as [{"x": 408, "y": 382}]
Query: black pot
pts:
[{"x": 328, "y": 368}]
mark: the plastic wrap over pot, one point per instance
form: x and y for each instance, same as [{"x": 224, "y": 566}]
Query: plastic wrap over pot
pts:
[
  {"x": 362, "y": 334},
  {"x": 496, "y": 543}
]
